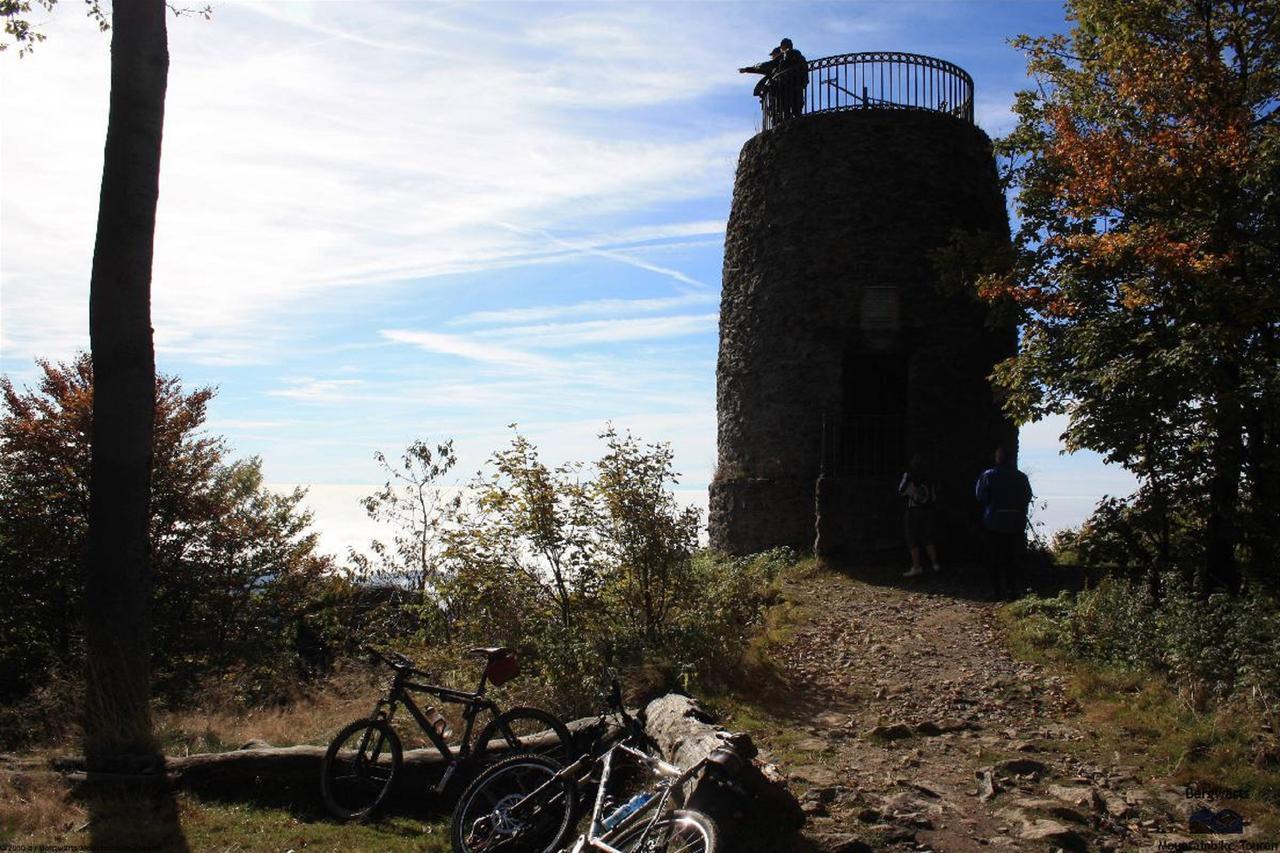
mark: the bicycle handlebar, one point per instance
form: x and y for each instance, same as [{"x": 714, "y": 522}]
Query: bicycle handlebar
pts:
[{"x": 393, "y": 659}]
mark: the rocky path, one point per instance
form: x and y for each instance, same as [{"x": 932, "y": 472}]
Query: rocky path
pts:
[{"x": 908, "y": 725}]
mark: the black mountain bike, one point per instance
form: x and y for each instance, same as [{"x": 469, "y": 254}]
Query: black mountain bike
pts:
[{"x": 363, "y": 763}]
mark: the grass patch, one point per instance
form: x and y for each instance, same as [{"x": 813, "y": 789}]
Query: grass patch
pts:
[
  {"x": 755, "y": 702},
  {"x": 1164, "y": 732},
  {"x": 226, "y": 827},
  {"x": 42, "y": 810}
]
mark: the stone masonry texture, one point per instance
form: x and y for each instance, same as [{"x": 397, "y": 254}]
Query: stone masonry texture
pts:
[{"x": 831, "y": 323}]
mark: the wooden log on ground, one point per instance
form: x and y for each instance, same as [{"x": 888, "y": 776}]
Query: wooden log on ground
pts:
[
  {"x": 288, "y": 776},
  {"x": 757, "y": 813},
  {"x": 761, "y": 814}
]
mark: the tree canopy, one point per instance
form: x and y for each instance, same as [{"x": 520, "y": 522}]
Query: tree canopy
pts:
[
  {"x": 236, "y": 573},
  {"x": 1146, "y": 164}
]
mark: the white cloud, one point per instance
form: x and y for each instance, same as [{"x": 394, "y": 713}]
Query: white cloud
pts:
[
  {"x": 328, "y": 390},
  {"x": 469, "y": 348},
  {"x": 592, "y": 308},
  {"x": 607, "y": 331},
  {"x": 310, "y": 148}
]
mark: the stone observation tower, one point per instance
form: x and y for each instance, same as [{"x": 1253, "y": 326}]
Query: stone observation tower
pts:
[{"x": 839, "y": 355}]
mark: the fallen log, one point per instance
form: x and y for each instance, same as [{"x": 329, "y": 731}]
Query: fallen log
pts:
[
  {"x": 290, "y": 776},
  {"x": 754, "y": 812}
]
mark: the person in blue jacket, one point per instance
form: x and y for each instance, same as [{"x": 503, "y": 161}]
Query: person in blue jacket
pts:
[{"x": 1005, "y": 495}]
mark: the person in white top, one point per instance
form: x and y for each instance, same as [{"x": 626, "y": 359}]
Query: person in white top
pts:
[{"x": 920, "y": 524}]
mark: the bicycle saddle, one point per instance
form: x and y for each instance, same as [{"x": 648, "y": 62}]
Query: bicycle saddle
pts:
[{"x": 490, "y": 653}]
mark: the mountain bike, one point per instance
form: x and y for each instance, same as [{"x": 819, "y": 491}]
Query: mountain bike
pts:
[
  {"x": 529, "y": 802},
  {"x": 364, "y": 761}
]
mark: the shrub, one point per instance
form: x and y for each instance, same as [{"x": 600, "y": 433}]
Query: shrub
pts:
[
  {"x": 1212, "y": 647},
  {"x": 581, "y": 564},
  {"x": 234, "y": 568}
]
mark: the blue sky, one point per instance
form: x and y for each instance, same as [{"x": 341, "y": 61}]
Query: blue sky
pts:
[{"x": 381, "y": 222}]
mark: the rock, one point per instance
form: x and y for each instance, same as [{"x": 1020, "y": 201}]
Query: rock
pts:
[
  {"x": 814, "y": 775},
  {"x": 1052, "y": 808},
  {"x": 813, "y": 808},
  {"x": 955, "y": 724},
  {"x": 893, "y": 731},
  {"x": 1077, "y": 795},
  {"x": 1053, "y": 832},
  {"x": 255, "y": 743},
  {"x": 831, "y": 720},
  {"x": 771, "y": 773},
  {"x": 811, "y": 744},
  {"x": 870, "y": 815},
  {"x": 1023, "y": 767},
  {"x": 928, "y": 729},
  {"x": 842, "y": 844},
  {"x": 929, "y": 789},
  {"x": 821, "y": 795},
  {"x": 987, "y": 786}
]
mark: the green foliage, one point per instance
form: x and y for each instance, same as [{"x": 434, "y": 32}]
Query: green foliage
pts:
[
  {"x": 409, "y": 568},
  {"x": 236, "y": 582},
  {"x": 1144, "y": 275},
  {"x": 522, "y": 550},
  {"x": 579, "y": 564},
  {"x": 1210, "y": 648},
  {"x": 1187, "y": 687},
  {"x": 17, "y": 25}
]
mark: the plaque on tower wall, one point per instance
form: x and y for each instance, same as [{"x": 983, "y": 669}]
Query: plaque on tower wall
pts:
[{"x": 880, "y": 312}]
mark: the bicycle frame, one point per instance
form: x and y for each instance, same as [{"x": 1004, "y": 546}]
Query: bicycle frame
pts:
[
  {"x": 597, "y": 836},
  {"x": 476, "y": 703},
  {"x": 672, "y": 781}
]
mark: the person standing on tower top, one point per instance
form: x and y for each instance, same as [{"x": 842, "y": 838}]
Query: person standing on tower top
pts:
[
  {"x": 792, "y": 77},
  {"x": 769, "y": 99}
]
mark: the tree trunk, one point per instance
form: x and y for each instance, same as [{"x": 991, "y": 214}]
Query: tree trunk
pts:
[
  {"x": 1263, "y": 462},
  {"x": 1222, "y": 571},
  {"x": 117, "y": 583}
]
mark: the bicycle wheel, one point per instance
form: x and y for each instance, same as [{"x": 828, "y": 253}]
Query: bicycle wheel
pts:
[
  {"x": 495, "y": 812},
  {"x": 682, "y": 831},
  {"x": 527, "y": 730},
  {"x": 360, "y": 769}
]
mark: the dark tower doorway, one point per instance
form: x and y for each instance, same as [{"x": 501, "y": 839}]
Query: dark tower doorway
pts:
[{"x": 874, "y": 423}]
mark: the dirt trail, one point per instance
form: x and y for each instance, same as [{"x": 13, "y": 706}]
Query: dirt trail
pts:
[{"x": 908, "y": 725}]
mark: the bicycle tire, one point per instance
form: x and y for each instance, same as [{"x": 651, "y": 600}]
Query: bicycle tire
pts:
[
  {"x": 682, "y": 831},
  {"x": 500, "y": 786},
  {"x": 512, "y": 730},
  {"x": 356, "y": 782}
]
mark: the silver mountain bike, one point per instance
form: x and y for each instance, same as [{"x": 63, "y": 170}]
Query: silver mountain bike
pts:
[{"x": 529, "y": 803}]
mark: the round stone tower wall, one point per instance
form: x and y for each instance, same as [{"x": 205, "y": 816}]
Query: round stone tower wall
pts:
[{"x": 838, "y": 353}]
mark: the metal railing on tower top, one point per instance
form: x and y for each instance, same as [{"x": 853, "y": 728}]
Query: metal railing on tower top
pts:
[{"x": 868, "y": 81}]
